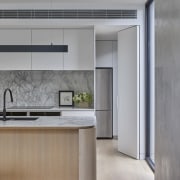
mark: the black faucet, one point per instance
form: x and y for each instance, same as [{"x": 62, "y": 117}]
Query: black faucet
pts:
[{"x": 4, "y": 105}]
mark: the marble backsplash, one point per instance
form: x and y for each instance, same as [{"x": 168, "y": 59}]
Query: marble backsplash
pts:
[{"x": 41, "y": 88}]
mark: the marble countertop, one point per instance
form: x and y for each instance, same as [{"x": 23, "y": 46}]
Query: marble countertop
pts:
[
  {"x": 65, "y": 122},
  {"x": 54, "y": 109}
]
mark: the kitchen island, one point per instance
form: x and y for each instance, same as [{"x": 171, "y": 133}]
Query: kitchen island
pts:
[{"x": 49, "y": 148}]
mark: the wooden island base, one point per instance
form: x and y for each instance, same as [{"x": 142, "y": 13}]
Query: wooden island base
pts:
[{"x": 47, "y": 154}]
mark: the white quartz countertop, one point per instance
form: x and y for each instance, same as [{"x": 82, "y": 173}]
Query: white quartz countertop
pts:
[
  {"x": 66, "y": 122},
  {"x": 54, "y": 109}
]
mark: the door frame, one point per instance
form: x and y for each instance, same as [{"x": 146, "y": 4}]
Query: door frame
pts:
[{"x": 148, "y": 86}]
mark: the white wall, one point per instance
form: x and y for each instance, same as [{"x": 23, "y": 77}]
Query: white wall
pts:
[
  {"x": 142, "y": 88},
  {"x": 152, "y": 85},
  {"x": 115, "y": 89}
]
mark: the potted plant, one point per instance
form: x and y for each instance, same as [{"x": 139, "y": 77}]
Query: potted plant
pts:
[{"x": 82, "y": 99}]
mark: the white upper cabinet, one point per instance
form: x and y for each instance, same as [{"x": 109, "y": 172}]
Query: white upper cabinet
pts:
[
  {"x": 80, "y": 55},
  {"x": 15, "y": 60},
  {"x": 47, "y": 60},
  {"x": 104, "y": 53}
]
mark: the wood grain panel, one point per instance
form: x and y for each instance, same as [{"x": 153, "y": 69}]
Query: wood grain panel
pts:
[
  {"x": 87, "y": 154},
  {"x": 39, "y": 154}
]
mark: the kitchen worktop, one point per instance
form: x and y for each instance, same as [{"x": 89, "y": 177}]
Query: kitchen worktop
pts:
[
  {"x": 67, "y": 122},
  {"x": 53, "y": 109}
]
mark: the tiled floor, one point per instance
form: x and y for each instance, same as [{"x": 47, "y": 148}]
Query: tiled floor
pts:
[{"x": 112, "y": 165}]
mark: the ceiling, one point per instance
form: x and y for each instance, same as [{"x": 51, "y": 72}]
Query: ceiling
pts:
[
  {"x": 76, "y": 1},
  {"x": 69, "y": 3}
]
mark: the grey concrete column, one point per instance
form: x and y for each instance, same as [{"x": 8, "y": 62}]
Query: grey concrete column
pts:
[{"x": 167, "y": 152}]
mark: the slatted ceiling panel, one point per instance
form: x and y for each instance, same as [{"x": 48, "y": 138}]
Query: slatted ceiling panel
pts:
[
  {"x": 41, "y": 14},
  {"x": 10, "y": 14},
  {"x": 126, "y": 14},
  {"x": 56, "y": 14},
  {"x": 85, "y": 13},
  {"x": 114, "y": 14},
  {"x": 121, "y": 14},
  {"x": 68, "y": 14},
  {"x": 99, "y": 14},
  {"x": 24, "y": 14}
]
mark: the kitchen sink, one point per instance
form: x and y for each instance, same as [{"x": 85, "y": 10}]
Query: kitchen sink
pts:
[{"x": 20, "y": 118}]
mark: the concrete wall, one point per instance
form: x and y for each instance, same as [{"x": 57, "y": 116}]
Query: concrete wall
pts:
[{"x": 167, "y": 151}]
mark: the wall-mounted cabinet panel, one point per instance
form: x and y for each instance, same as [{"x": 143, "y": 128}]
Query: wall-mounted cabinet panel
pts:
[
  {"x": 80, "y": 45},
  {"x": 47, "y": 60},
  {"x": 15, "y": 37},
  {"x": 80, "y": 54},
  {"x": 15, "y": 60}
]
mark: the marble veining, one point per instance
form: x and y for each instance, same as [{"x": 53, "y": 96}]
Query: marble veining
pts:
[
  {"x": 54, "y": 121},
  {"x": 41, "y": 88}
]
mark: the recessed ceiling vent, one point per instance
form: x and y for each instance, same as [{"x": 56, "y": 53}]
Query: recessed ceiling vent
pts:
[{"x": 68, "y": 14}]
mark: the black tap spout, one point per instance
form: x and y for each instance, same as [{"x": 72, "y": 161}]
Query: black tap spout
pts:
[{"x": 4, "y": 103}]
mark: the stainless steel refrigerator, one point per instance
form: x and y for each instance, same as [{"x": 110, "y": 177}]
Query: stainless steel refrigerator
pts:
[{"x": 104, "y": 102}]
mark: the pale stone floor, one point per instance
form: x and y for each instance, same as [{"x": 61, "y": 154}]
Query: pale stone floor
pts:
[{"x": 112, "y": 165}]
